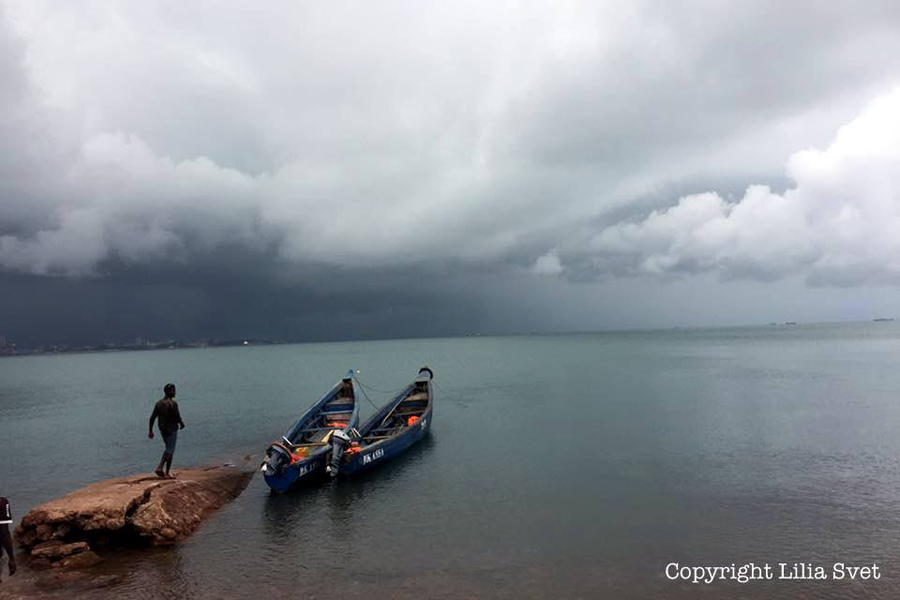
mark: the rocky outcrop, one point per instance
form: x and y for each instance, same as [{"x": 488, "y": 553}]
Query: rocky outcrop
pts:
[{"x": 143, "y": 509}]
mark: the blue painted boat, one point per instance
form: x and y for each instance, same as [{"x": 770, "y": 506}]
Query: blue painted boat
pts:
[
  {"x": 303, "y": 451},
  {"x": 396, "y": 426}
]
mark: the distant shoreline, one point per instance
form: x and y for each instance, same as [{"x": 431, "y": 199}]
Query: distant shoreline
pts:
[
  {"x": 170, "y": 345},
  {"x": 194, "y": 345}
]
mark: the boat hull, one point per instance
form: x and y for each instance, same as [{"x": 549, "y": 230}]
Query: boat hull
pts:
[
  {"x": 370, "y": 455},
  {"x": 283, "y": 469},
  {"x": 299, "y": 473},
  {"x": 380, "y": 453}
]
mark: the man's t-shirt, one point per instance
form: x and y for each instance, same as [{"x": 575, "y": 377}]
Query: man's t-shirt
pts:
[
  {"x": 166, "y": 410},
  {"x": 5, "y": 513}
]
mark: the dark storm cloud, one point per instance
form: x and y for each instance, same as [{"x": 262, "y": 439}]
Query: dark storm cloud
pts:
[
  {"x": 214, "y": 302},
  {"x": 312, "y": 165}
]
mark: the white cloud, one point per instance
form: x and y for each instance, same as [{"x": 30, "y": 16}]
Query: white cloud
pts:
[
  {"x": 548, "y": 264},
  {"x": 838, "y": 224}
]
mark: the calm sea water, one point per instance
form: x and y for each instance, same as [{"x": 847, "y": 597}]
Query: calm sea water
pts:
[{"x": 564, "y": 465}]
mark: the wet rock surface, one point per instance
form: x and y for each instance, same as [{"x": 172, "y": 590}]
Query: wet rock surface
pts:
[
  {"x": 71, "y": 532},
  {"x": 57, "y": 549}
]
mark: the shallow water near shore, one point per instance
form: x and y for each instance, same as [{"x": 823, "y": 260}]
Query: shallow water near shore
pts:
[{"x": 576, "y": 465}]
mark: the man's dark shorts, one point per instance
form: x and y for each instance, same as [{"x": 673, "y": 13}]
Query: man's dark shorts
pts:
[{"x": 170, "y": 439}]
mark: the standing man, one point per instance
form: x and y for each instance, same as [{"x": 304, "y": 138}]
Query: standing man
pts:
[
  {"x": 169, "y": 422},
  {"x": 5, "y": 538}
]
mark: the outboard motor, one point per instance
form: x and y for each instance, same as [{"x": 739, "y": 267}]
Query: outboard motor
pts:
[
  {"x": 340, "y": 441},
  {"x": 277, "y": 457}
]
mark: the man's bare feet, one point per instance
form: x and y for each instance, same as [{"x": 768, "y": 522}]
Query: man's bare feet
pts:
[{"x": 160, "y": 474}]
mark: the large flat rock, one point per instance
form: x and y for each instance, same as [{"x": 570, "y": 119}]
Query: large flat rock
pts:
[{"x": 142, "y": 509}]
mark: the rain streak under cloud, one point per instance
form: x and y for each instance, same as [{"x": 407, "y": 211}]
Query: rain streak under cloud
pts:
[{"x": 393, "y": 169}]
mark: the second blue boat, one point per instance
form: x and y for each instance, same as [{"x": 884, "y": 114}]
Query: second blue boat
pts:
[{"x": 396, "y": 426}]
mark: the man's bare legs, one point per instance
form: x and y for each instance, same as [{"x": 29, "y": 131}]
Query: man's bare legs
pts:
[{"x": 165, "y": 461}]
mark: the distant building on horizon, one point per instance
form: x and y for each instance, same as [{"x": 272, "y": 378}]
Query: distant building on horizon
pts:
[{"x": 6, "y": 346}]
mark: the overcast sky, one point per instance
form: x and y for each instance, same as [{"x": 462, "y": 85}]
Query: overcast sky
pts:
[{"x": 383, "y": 169}]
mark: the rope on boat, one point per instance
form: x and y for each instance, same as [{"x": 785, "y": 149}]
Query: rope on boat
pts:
[
  {"x": 363, "y": 387},
  {"x": 371, "y": 389},
  {"x": 452, "y": 397},
  {"x": 365, "y": 394}
]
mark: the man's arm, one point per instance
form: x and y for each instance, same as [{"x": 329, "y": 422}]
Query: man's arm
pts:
[
  {"x": 178, "y": 412},
  {"x": 6, "y": 542},
  {"x": 152, "y": 419}
]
